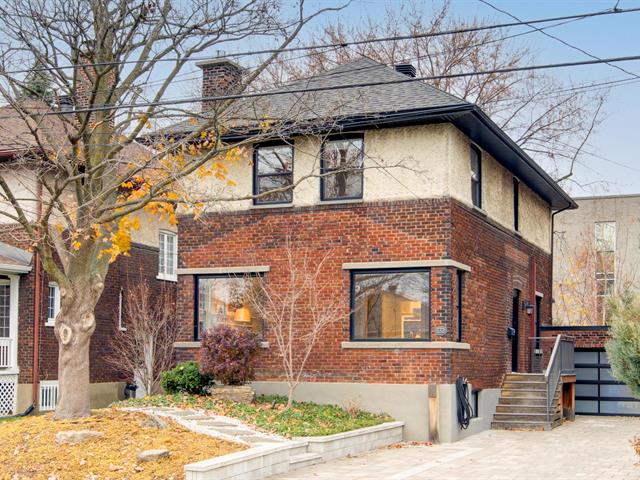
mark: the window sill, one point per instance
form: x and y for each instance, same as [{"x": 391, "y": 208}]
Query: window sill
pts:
[
  {"x": 197, "y": 344},
  {"x": 339, "y": 201},
  {"x": 50, "y": 323},
  {"x": 167, "y": 278},
  {"x": 268, "y": 206},
  {"x": 402, "y": 345}
]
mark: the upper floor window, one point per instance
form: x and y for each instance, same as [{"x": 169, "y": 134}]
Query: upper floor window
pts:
[
  {"x": 227, "y": 299},
  {"x": 168, "y": 256},
  {"x": 605, "y": 241},
  {"x": 390, "y": 304},
  {"x": 273, "y": 174},
  {"x": 53, "y": 307},
  {"x": 341, "y": 165},
  {"x": 516, "y": 204},
  {"x": 476, "y": 177}
]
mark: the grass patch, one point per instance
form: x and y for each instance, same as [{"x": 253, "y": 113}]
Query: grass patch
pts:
[
  {"x": 269, "y": 413},
  {"x": 29, "y": 449}
]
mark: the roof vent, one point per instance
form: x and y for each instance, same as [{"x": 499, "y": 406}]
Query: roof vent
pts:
[{"x": 406, "y": 69}]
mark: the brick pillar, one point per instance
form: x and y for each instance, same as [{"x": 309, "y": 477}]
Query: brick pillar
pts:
[{"x": 220, "y": 76}]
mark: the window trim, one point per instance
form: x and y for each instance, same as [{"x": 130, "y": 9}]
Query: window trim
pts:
[
  {"x": 256, "y": 176},
  {"x": 121, "y": 326},
  {"x": 196, "y": 297},
  {"x": 352, "y": 301},
  {"x": 51, "y": 322},
  {"x": 324, "y": 170},
  {"x": 163, "y": 275},
  {"x": 516, "y": 204},
  {"x": 479, "y": 181}
]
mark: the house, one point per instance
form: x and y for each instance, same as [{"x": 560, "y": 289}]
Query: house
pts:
[
  {"x": 439, "y": 208},
  {"x": 29, "y": 301},
  {"x": 595, "y": 256}
]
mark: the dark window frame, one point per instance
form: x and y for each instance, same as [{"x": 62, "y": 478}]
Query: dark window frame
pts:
[
  {"x": 516, "y": 204},
  {"x": 196, "y": 297},
  {"x": 352, "y": 303},
  {"x": 476, "y": 184},
  {"x": 324, "y": 170},
  {"x": 257, "y": 176},
  {"x": 459, "y": 290}
]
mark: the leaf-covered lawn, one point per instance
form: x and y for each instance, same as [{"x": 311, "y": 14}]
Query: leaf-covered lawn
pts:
[
  {"x": 268, "y": 413},
  {"x": 28, "y": 449}
]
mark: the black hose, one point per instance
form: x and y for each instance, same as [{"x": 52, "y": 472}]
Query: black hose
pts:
[{"x": 465, "y": 412}]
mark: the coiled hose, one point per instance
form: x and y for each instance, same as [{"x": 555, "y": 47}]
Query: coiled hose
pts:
[{"x": 465, "y": 412}]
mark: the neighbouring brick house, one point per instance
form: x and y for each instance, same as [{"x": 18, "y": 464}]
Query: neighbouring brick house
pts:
[
  {"x": 596, "y": 253},
  {"x": 26, "y": 290},
  {"x": 457, "y": 238}
]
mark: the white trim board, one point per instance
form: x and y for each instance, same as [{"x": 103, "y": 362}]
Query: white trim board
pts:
[
  {"x": 445, "y": 262},
  {"x": 224, "y": 270}
]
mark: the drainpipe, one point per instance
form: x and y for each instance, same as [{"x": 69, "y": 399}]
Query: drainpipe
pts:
[
  {"x": 553, "y": 228},
  {"x": 36, "y": 310}
]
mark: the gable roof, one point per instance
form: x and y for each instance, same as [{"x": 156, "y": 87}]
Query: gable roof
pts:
[
  {"x": 14, "y": 259},
  {"x": 341, "y": 103}
]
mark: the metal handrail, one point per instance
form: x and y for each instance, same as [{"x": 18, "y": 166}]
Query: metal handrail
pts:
[{"x": 561, "y": 360}]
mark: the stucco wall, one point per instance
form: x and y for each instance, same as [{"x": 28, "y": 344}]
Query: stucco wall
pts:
[{"x": 23, "y": 187}]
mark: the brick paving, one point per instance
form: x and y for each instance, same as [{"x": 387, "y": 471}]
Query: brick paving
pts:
[{"x": 588, "y": 449}]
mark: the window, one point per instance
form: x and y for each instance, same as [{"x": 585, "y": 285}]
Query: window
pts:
[
  {"x": 273, "y": 170},
  {"x": 341, "y": 161},
  {"x": 54, "y": 304},
  {"x": 516, "y": 204},
  {"x": 459, "y": 274},
  {"x": 5, "y": 308},
  {"x": 226, "y": 299},
  {"x": 605, "y": 241},
  {"x": 476, "y": 177},
  {"x": 121, "y": 325},
  {"x": 390, "y": 304},
  {"x": 168, "y": 260}
]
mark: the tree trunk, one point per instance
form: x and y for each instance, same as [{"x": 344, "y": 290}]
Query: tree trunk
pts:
[{"x": 292, "y": 387}]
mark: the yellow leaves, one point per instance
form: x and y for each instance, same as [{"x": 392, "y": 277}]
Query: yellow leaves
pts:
[
  {"x": 76, "y": 245},
  {"x": 264, "y": 125},
  {"x": 59, "y": 228},
  {"x": 120, "y": 239},
  {"x": 193, "y": 121}
]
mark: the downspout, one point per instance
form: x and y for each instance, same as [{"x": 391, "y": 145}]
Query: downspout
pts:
[
  {"x": 36, "y": 310},
  {"x": 553, "y": 229}
]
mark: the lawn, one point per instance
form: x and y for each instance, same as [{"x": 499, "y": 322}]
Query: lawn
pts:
[
  {"x": 29, "y": 450},
  {"x": 269, "y": 413}
]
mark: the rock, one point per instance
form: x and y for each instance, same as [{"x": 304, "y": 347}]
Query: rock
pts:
[
  {"x": 154, "y": 421},
  {"x": 234, "y": 393},
  {"x": 153, "y": 455},
  {"x": 76, "y": 436}
]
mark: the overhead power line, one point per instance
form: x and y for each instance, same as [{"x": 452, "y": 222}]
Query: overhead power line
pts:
[{"x": 477, "y": 28}]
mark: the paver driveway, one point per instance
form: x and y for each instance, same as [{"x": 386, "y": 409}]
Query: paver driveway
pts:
[{"x": 589, "y": 448}]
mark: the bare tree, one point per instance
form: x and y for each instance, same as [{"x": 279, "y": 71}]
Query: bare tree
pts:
[
  {"x": 105, "y": 57},
  {"x": 550, "y": 120},
  {"x": 144, "y": 348},
  {"x": 297, "y": 310}
]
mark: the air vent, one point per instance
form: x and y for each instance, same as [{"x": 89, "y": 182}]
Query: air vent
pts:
[{"x": 406, "y": 69}]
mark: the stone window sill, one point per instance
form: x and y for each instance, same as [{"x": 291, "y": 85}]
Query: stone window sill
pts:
[
  {"x": 197, "y": 344},
  {"x": 406, "y": 345}
]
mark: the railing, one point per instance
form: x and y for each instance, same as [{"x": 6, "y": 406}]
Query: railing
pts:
[
  {"x": 5, "y": 352},
  {"x": 553, "y": 361}
]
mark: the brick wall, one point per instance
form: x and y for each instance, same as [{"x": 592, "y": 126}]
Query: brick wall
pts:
[
  {"x": 595, "y": 337},
  {"x": 428, "y": 229}
]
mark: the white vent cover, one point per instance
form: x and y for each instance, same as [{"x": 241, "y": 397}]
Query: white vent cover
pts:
[
  {"x": 48, "y": 395},
  {"x": 8, "y": 391}
]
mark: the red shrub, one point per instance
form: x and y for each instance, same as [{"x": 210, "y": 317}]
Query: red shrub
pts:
[{"x": 228, "y": 354}]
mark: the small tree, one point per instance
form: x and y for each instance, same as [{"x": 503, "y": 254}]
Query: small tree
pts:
[
  {"x": 296, "y": 311},
  {"x": 624, "y": 347},
  {"x": 145, "y": 349}
]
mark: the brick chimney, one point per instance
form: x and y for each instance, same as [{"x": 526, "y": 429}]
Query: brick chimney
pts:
[{"x": 220, "y": 76}]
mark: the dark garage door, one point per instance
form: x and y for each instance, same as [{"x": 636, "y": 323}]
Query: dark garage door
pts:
[{"x": 597, "y": 391}]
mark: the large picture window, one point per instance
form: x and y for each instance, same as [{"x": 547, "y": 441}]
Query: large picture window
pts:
[
  {"x": 341, "y": 166},
  {"x": 390, "y": 304},
  {"x": 226, "y": 299},
  {"x": 273, "y": 171}
]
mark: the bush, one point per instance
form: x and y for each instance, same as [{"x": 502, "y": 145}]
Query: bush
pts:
[
  {"x": 185, "y": 378},
  {"x": 228, "y": 354},
  {"x": 624, "y": 347}
]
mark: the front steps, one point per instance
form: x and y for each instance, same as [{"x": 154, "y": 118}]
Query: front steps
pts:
[{"x": 522, "y": 404}]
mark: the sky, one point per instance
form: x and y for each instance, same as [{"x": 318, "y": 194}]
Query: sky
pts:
[{"x": 614, "y": 166}]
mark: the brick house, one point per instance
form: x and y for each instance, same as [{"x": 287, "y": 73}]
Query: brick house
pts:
[
  {"x": 29, "y": 302},
  {"x": 455, "y": 231}
]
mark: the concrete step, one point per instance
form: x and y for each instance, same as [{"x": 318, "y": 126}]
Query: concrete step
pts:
[
  {"x": 506, "y": 425},
  {"x": 522, "y": 384},
  {"x": 522, "y": 400},
  {"x": 537, "y": 377},
  {"x": 524, "y": 392},
  {"x": 522, "y": 417},
  {"x": 524, "y": 408},
  {"x": 304, "y": 460}
]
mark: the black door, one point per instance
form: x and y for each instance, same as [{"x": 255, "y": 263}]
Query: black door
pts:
[{"x": 514, "y": 324}]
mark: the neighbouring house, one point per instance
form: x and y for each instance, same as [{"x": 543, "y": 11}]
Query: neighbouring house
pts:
[
  {"x": 29, "y": 302},
  {"x": 439, "y": 210},
  {"x": 595, "y": 255}
]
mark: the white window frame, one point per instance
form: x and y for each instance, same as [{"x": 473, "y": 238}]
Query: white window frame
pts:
[
  {"x": 51, "y": 322},
  {"x": 121, "y": 325},
  {"x": 166, "y": 259}
]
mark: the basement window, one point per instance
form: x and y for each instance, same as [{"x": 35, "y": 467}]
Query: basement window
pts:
[
  {"x": 341, "y": 167},
  {"x": 53, "y": 307},
  {"x": 390, "y": 304},
  {"x": 476, "y": 177},
  {"x": 273, "y": 174}
]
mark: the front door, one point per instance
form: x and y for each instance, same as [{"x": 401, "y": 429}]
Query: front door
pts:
[{"x": 514, "y": 324}]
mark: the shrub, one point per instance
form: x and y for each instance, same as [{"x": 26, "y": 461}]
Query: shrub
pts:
[
  {"x": 228, "y": 354},
  {"x": 624, "y": 347},
  {"x": 185, "y": 378}
]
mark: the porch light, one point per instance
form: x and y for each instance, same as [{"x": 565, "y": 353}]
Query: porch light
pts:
[{"x": 528, "y": 307}]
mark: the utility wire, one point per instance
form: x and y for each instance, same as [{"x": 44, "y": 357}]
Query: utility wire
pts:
[{"x": 344, "y": 44}]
